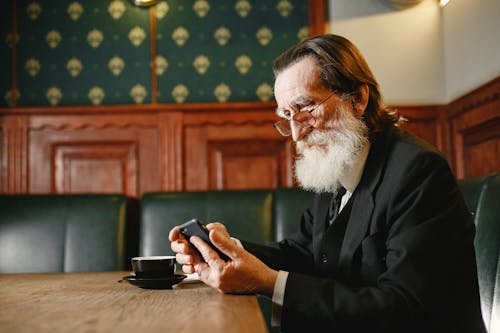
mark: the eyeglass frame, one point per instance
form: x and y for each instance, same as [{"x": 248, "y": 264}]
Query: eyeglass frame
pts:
[{"x": 286, "y": 121}]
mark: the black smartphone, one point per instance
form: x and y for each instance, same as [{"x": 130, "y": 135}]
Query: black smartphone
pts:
[{"x": 195, "y": 227}]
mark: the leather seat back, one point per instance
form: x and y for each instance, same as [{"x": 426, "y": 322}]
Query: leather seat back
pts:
[
  {"x": 289, "y": 204},
  {"x": 246, "y": 214},
  {"x": 62, "y": 233},
  {"x": 482, "y": 195}
]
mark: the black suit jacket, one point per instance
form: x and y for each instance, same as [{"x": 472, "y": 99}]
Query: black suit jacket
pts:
[{"x": 407, "y": 261}]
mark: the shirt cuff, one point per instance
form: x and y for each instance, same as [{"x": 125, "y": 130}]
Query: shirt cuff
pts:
[{"x": 278, "y": 298}]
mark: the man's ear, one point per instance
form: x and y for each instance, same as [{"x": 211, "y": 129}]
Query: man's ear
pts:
[{"x": 361, "y": 102}]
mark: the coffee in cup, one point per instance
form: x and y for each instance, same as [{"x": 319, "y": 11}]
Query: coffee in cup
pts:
[{"x": 153, "y": 267}]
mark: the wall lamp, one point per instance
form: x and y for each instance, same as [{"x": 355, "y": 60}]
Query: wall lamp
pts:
[{"x": 144, "y": 3}]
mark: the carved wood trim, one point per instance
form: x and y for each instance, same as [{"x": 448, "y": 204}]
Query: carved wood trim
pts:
[
  {"x": 152, "y": 34},
  {"x": 170, "y": 145},
  {"x": 317, "y": 17},
  {"x": 468, "y": 117},
  {"x": 220, "y": 151},
  {"x": 141, "y": 108},
  {"x": 486, "y": 94},
  {"x": 125, "y": 153},
  {"x": 14, "y": 156},
  {"x": 81, "y": 122},
  {"x": 453, "y": 127}
]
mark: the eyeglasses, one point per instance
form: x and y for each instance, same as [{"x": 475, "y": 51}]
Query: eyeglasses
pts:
[{"x": 303, "y": 119}]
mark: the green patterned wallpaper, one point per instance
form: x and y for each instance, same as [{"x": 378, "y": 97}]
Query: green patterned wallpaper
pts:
[
  {"x": 5, "y": 53},
  {"x": 98, "y": 52}
]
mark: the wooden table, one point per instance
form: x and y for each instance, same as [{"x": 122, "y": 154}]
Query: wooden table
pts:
[{"x": 96, "y": 302}]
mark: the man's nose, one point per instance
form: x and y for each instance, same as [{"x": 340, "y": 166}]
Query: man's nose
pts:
[{"x": 299, "y": 132}]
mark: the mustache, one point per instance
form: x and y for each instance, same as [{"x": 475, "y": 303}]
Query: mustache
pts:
[
  {"x": 324, "y": 156},
  {"x": 345, "y": 130}
]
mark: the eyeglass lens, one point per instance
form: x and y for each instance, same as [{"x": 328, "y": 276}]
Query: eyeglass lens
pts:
[{"x": 302, "y": 119}]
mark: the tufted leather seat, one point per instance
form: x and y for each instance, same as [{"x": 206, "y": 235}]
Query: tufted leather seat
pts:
[
  {"x": 247, "y": 212},
  {"x": 62, "y": 233},
  {"x": 482, "y": 195},
  {"x": 289, "y": 204}
]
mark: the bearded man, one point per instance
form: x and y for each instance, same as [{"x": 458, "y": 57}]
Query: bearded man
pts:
[{"x": 387, "y": 243}]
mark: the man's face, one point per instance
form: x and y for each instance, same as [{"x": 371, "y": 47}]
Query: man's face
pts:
[
  {"x": 326, "y": 150},
  {"x": 299, "y": 87}
]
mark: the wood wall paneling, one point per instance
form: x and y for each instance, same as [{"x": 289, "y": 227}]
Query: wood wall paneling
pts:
[
  {"x": 13, "y": 157},
  {"x": 247, "y": 164},
  {"x": 481, "y": 148},
  {"x": 170, "y": 125},
  {"x": 137, "y": 149},
  {"x": 235, "y": 150},
  {"x": 93, "y": 167},
  {"x": 94, "y": 154},
  {"x": 423, "y": 121},
  {"x": 474, "y": 122}
]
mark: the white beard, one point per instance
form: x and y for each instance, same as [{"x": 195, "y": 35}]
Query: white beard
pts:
[{"x": 324, "y": 156}]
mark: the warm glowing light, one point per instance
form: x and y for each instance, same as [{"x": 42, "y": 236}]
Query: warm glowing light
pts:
[
  {"x": 443, "y": 2},
  {"x": 144, "y": 3}
]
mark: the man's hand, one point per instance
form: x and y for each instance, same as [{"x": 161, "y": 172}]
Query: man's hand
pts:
[{"x": 243, "y": 273}]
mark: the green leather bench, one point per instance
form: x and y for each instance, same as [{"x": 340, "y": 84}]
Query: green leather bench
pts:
[
  {"x": 247, "y": 213},
  {"x": 62, "y": 233},
  {"x": 265, "y": 216},
  {"x": 67, "y": 233},
  {"x": 482, "y": 195},
  {"x": 254, "y": 215}
]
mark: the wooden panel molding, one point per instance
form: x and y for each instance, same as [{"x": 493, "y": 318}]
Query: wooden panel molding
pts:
[
  {"x": 110, "y": 153},
  {"x": 481, "y": 148},
  {"x": 109, "y": 167},
  {"x": 423, "y": 121},
  {"x": 247, "y": 164},
  {"x": 135, "y": 149},
  {"x": 13, "y": 154},
  {"x": 317, "y": 17},
  {"x": 473, "y": 123},
  {"x": 213, "y": 152}
]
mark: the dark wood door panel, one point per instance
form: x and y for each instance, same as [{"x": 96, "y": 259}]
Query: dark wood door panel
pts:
[
  {"x": 94, "y": 160},
  {"x": 81, "y": 167},
  {"x": 481, "y": 148},
  {"x": 229, "y": 156},
  {"x": 250, "y": 164}
]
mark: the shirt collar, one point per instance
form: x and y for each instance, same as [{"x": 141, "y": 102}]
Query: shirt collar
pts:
[{"x": 352, "y": 176}]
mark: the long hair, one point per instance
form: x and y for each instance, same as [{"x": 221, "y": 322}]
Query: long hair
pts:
[{"x": 342, "y": 68}]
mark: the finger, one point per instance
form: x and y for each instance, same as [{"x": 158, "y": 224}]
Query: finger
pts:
[
  {"x": 184, "y": 259},
  {"x": 180, "y": 246},
  {"x": 203, "y": 270},
  {"x": 218, "y": 226},
  {"x": 174, "y": 234},
  {"x": 209, "y": 255},
  {"x": 188, "y": 269},
  {"x": 226, "y": 245},
  {"x": 215, "y": 225}
]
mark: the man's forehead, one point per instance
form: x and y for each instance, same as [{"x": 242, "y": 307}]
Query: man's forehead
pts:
[{"x": 298, "y": 76}]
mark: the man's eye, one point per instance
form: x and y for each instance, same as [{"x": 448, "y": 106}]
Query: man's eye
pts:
[
  {"x": 308, "y": 108},
  {"x": 287, "y": 114}
]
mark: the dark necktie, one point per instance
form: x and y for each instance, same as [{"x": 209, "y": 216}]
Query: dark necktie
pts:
[{"x": 335, "y": 205}]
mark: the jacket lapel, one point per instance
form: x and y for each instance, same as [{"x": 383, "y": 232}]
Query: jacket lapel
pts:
[{"x": 363, "y": 205}]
